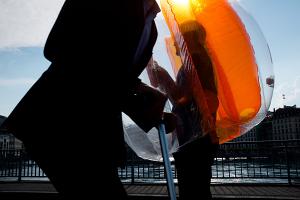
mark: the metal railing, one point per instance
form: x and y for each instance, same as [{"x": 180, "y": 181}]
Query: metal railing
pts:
[{"x": 239, "y": 162}]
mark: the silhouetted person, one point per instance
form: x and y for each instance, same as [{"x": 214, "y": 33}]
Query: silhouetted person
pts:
[
  {"x": 194, "y": 157},
  {"x": 70, "y": 120},
  {"x": 197, "y": 144}
]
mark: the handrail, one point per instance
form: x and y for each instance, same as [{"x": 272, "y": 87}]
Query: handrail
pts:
[{"x": 235, "y": 162}]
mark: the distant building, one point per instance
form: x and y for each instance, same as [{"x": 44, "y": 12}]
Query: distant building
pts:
[
  {"x": 281, "y": 124},
  {"x": 263, "y": 131},
  {"x": 7, "y": 140},
  {"x": 265, "y": 128},
  {"x": 2, "y": 118},
  {"x": 286, "y": 123},
  {"x": 251, "y": 135}
]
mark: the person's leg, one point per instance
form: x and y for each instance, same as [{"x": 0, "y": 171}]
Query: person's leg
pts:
[
  {"x": 119, "y": 192},
  {"x": 193, "y": 164},
  {"x": 73, "y": 175}
]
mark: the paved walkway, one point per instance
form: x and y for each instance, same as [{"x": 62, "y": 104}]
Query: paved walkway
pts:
[
  {"x": 152, "y": 191},
  {"x": 227, "y": 191}
]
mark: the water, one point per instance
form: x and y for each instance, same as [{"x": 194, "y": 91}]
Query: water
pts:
[{"x": 223, "y": 171}]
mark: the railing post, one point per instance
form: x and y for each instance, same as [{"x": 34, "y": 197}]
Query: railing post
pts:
[
  {"x": 132, "y": 173},
  {"x": 288, "y": 163},
  {"x": 20, "y": 165}
]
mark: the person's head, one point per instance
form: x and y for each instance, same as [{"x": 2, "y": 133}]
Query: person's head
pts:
[{"x": 193, "y": 33}]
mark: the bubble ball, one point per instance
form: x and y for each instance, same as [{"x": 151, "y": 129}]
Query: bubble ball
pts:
[{"x": 221, "y": 69}]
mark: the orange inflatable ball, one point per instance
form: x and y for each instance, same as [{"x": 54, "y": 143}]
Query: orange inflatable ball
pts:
[{"x": 209, "y": 38}]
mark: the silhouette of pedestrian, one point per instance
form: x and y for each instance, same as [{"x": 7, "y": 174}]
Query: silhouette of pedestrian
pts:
[{"x": 198, "y": 143}]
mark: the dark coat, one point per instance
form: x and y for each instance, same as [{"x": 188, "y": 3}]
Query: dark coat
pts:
[{"x": 72, "y": 114}]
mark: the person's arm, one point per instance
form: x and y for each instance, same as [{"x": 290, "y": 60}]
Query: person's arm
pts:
[
  {"x": 144, "y": 105},
  {"x": 160, "y": 78}
]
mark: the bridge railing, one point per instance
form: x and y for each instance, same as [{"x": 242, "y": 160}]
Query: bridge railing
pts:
[{"x": 238, "y": 162}]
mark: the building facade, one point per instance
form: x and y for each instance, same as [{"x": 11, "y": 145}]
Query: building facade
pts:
[
  {"x": 286, "y": 123},
  {"x": 7, "y": 140},
  {"x": 281, "y": 124}
]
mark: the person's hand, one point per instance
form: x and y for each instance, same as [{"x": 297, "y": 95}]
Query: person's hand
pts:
[
  {"x": 145, "y": 105},
  {"x": 169, "y": 120},
  {"x": 155, "y": 112}
]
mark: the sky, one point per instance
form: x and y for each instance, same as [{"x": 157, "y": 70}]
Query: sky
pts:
[{"x": 25, "y": 24}]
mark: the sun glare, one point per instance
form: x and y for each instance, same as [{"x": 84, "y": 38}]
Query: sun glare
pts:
[{"x": 181, "y": 2}]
